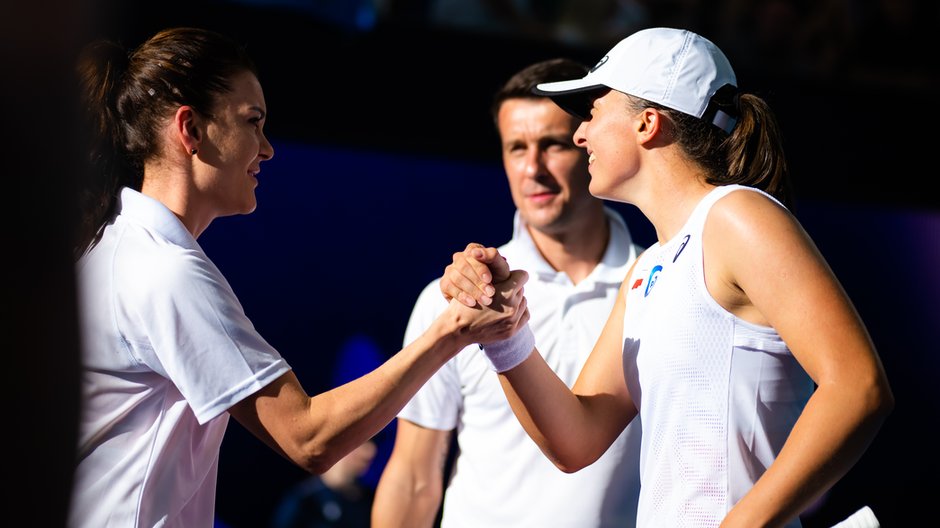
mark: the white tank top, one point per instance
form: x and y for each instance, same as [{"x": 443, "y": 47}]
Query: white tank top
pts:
[{"x": 717, "y": 395}]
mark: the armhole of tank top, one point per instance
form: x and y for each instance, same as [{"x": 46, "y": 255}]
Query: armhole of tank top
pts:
[
  {"x": 701, "y": 278},
  {"x": 716, "y": 195}
]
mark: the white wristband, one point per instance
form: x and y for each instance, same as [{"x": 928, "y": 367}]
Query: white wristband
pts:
[{"x": 508, "y": 353}]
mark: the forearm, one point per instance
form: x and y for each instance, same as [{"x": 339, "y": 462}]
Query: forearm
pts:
[
  {"x": 401, "y": 500},
  {"x": 316, "y": 432},
  {"x": 553, "y": 416},
  {"x": 834, "y": 430},
  {"x": 346, "y": 416},
  {"x": 410, "y": 489}
]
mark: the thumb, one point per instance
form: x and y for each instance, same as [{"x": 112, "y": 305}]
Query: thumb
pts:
[{"x": 499, "y": 267}]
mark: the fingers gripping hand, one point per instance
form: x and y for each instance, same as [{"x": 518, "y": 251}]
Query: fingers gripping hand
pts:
[
  {"x": 503, "y": 317},
  {"x": 470, "y": 277}
]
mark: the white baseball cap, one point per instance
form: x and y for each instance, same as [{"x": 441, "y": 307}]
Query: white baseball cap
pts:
[{"x": 676, "y": 68}]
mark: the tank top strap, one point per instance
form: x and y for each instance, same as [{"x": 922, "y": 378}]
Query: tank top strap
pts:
[{"x": 696, "y": 220}]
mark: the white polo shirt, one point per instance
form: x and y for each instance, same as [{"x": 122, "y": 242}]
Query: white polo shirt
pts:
[
  {"x": 166, "y": 351},
  {"x": 501, "y": 478}
]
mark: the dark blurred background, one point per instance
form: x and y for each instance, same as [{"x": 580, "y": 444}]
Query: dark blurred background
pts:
[{"x": 387, "y": 161}]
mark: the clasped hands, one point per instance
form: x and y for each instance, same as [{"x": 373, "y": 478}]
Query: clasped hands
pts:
[{"x": 479, "y": 278}]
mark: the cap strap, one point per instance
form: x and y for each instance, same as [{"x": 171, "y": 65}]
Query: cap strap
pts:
[
  {"x": 724, "y": 121},
  {"x": 722, "y": 110}
]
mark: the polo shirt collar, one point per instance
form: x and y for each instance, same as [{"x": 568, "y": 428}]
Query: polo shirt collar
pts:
[
  {"x": 619, "y": 252},
  {"x": 142, "y": 209}
]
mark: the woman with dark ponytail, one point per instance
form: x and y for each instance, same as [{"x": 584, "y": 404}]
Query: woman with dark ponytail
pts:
[
  {"x": 167, "y": 351},
  {"x": 755, "y": 380},
  {"x": 128, "y": 95}
]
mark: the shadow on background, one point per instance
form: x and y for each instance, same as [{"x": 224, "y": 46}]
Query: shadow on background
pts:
[{"x": 42, "y": 167}]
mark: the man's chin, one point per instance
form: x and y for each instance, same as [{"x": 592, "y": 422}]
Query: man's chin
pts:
[{"x": 542, "y": 219}]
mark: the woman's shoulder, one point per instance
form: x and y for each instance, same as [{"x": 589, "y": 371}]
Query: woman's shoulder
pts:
[
  {"x": 737, "y": 202},
  {"x": 745, "y": 216},
  {"x": 146, "y": 262}
]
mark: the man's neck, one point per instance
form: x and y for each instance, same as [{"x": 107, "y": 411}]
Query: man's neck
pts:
[{"x": 577, "y": 250}]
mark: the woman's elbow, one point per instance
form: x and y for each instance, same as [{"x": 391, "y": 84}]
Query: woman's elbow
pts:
[
  {"x": 884, "y": 401},
  {"x": 574, "y": 468},
  {"x": 315, "y": 457},
  {"x": 571, "y": 463},
  {"x": 315, "y": 465},
  {"x": 877, "y": 398}
]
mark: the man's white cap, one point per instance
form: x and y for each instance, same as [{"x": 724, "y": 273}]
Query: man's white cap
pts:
[{"x": 673, "y": 67}]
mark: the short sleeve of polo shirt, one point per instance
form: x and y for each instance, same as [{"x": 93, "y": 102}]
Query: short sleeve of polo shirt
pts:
[
  {"x": 437, "y": 403},
  {"x": 185, "y": 322}
]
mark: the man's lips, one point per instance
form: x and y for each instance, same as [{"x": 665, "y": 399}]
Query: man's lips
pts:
[{"x": 542, "y": 196}]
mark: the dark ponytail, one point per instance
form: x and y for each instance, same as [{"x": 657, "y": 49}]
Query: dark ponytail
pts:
[
  {"x": 752, "y": 154},
  {"x": 101, "y": 67},
  {"x": 754, "y": 150}
]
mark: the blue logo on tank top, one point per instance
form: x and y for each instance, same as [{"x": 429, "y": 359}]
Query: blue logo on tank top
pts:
[
  {"x": 654, "y": 274},
  {"x": 681, "y": 247}
]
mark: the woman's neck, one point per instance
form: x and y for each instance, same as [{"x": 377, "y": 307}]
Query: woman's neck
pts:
[{"x": 174, "y": 190}]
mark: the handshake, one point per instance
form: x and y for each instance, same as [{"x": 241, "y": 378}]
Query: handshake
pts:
[{"x": 481, "y": 287}]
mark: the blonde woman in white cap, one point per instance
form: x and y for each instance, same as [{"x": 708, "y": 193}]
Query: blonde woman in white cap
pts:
[{"x": 756, "y": 381}]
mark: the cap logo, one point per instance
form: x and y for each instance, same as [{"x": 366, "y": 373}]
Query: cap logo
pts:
[{"x": 600, "y": 63}]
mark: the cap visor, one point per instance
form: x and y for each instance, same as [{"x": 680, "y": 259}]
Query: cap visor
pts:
[
  {"x": 572, "y": 96},
  {"x": 566, "y": 86}
]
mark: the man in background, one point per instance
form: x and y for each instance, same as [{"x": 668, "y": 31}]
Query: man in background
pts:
[{"x": 576, "y": 252}]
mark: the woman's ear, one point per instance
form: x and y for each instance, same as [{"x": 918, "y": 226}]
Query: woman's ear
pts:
[
  {"x": 186, "y": 124},
  {"x": 649, "y": 124}
]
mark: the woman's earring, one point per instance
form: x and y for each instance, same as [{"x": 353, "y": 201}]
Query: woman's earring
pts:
[{"x": 193, "y": 152}]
